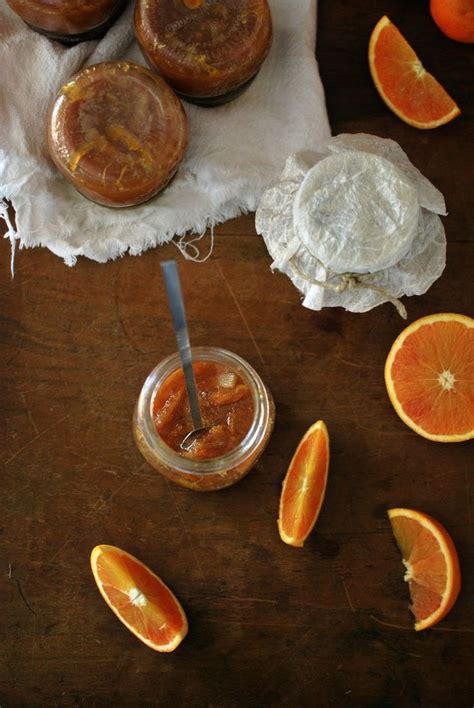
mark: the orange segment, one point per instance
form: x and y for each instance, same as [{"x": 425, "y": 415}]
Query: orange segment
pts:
[
  {"x": 304, "y": 486},
  {"x": 401, "y": 80},
  {"x": 429, "y": 374},
  {"x": 139, "y": 598},
  {"x": 431, "y": 562}
]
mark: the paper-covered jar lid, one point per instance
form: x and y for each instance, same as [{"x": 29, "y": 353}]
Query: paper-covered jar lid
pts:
[
  {"x": 356, "y": 213},
  {"x": 356, "y": 226}
]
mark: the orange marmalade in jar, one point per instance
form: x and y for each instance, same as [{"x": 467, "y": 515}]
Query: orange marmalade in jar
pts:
[
  {"x": 208, "y": 51},
  {"x": 69, "y": 21},
  {"x": 117, "y": 132},
  {"x": 235, "y": 404}
]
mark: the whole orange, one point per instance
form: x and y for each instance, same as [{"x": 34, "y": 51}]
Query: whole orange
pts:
[{"x": 455, "y": 18}]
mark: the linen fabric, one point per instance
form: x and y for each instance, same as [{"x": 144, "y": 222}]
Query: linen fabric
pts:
[{"x": 234, "y": 153}]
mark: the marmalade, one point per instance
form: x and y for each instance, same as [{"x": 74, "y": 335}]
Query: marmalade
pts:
[
  {"x": 208, "y": 51},
  {"x": 226, "y": 405},
  {"x": 117, "y": 132},
  {"x": 69, "y": 21}
]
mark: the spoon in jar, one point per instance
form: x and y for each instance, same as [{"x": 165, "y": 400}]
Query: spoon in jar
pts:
[{"x": 178, "y": 316}]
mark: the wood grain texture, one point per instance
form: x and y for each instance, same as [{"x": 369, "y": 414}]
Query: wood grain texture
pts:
[{"x": 270, "y": 625}]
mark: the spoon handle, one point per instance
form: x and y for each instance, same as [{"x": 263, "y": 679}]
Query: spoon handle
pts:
[{"x": 178, "y": 315}]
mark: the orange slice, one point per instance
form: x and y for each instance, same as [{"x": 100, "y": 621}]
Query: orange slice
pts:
[
  {"x": 429, "y": 375},
  {"x": 402, "y": 82},
  {"x": 304, "y": 486},
  {"x": 431, "y": 562},
  {"x": 139, "y": 598}
]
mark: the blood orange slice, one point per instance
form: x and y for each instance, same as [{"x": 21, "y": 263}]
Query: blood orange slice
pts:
[
  {"x": 403, "y": 83},
  {"x": 429, "y": 375},
  {"x": 304, "y": 486},
  {"x": 431, "y": 562},
  {"x": 139, "y": 598}
]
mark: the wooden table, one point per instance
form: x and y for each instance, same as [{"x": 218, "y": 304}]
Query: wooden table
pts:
[{"x": 269, "y": 625}]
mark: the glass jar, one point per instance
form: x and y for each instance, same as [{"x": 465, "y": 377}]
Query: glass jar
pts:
[
  {"x": 117, "y": 132},
  {"x": 218, "y": 472},
  {"x": 70, "y": 21},
  {"x": 208, "y": 51}
]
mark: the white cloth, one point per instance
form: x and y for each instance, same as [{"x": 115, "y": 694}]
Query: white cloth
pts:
[{"x": 234, "y": 151}]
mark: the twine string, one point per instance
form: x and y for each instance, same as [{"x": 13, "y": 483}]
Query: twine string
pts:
[
  {"x": 351, "y": 281},
  {"x": 190, "y": 251}
]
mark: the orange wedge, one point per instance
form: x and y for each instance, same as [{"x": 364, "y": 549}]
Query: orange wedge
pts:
[
  {"x": 304, "y": 486},
  {"x": 402, "y": 82},
  {"x": 138, "y": 597},
  {"x": 429, "y": 374},
  {"x": 431, "y": 562}
]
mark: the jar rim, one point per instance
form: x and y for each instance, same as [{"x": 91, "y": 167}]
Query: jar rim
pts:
[{"x": 216, "y": 465}]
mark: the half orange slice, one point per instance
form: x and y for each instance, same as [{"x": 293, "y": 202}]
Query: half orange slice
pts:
[
  {"x": 431, "y": 562},
  {"x": 403, "y": 83},
  {"x": 429, "y": 374},
  {"x": 304, "y": 486},
  {"x": 138, "y": 597}
]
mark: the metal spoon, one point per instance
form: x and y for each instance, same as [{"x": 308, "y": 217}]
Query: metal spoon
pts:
[{"x": 178, "y": 315}]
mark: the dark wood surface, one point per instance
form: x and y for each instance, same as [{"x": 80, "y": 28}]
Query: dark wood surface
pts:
[{"x": 269, "y": 625}]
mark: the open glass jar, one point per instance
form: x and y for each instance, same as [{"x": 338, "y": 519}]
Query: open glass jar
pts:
[{"x": 217, "y": 472}]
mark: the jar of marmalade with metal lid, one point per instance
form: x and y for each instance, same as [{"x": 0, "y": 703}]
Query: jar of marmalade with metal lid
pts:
[
  {"x": 209, "y": 51},
  {"x": 69, "y": 21},
  {"x": 118, "y": 133}
]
